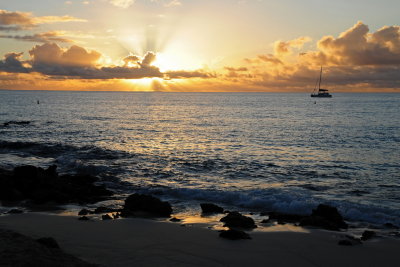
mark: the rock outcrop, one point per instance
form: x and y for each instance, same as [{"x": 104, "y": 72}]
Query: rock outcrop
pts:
[
  {"x": 137, "y": 204},
  {"x": 40, "y": 186}
]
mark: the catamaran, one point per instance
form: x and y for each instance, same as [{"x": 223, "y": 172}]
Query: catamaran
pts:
[{"x": 321, "y": 92}]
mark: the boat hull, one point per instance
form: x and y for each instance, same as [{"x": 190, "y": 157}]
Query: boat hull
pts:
[{"x": 323, "y": 96}]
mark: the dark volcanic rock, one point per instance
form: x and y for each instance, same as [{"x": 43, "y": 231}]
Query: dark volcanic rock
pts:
[
  {"x": 210, "y": 208},
  {"x": 235, "y": 219},
  {"x": 326, "y": 217},
  {"x": 83, "y": 218},
  {"x": 48, "y": 242},
  {"x": 330, "y": 213},
  {"x": 234, "y": 234},
  {"x": 41, "y": 186},
  {"x": 367, "y": 234},
  {"x": 146, "y": 203},
  {"x": 20, "y": 250}
]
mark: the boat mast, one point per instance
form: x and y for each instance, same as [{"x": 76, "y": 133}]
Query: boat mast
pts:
[{"x": 320, "y": 78}]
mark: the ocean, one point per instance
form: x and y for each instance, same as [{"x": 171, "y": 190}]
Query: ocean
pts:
[{"x": 250, "y": 151}]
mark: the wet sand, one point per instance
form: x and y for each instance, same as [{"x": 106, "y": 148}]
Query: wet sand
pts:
[{"x": 144, "y": 242}]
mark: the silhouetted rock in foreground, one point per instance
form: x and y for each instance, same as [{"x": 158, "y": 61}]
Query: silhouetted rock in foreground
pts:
[
  {"x": 137, "y": 203},
  {"x": 210, "y": 208},
  {"x": 235, "y": 219},
  {"x": 234, "y": 234},
  {"x": 20, "y": 250},
  {"x": 41, "y": 186},
  {"x": 326, "y": 217}
]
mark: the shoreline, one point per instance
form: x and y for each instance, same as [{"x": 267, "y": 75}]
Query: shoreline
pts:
[{"x": 145, "y": 242}]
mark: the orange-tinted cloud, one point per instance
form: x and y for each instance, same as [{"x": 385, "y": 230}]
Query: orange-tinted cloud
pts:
[
  {"x": 356, "y": 60},
  {"x": 358, "y": 47},
  {"x": 282, "y": 48},
  {"x": 52, "y": 54},
  {"x": 15, "y": 20}
]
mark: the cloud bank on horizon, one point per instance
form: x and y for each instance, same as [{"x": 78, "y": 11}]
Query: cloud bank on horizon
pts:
[{"x": 356, "y": 60}]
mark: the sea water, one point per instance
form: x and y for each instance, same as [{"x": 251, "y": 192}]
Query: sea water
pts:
[{"x": 255, "y": 151}]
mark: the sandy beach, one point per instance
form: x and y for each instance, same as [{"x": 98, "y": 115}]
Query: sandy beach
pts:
[{"x": 144, "y": 242}]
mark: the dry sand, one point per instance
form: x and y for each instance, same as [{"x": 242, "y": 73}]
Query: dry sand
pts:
[{"x": 142, "y": 242}]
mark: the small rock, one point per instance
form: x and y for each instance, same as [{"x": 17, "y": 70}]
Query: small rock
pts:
[
  {"x": 326, "y": 217},
  {"x": 235, "y": 219},
  {"x": 48, "y": 242},
  {"x": 106, "y": 217},
  {"x": 83, "y": 218},
  {"x": 210, "y": 208},
  {"x": 146, "y": 203},
  {"x": 266, "y": 221},
  {"x": 234, "y": 234}
]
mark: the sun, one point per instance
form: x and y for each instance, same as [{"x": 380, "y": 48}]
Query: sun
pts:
[{"x": 173, "y": 61}]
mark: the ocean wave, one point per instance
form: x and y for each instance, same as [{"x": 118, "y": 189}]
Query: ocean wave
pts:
[
  {"x": 281, "y": 200},
  {"x": 55, "y": 150}
]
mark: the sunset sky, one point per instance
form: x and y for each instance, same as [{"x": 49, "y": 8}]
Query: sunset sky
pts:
[{"x": 200, "y": 45}]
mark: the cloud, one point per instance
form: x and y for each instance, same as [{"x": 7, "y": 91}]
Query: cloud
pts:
[
  {"x": 236, "y": 69},
  {"x": 52, "y": 54},
  {"x": 181, "y": 74},
  {"x": 285, "y": 48},
  {"x": 122, "y": 3},
  {"x": 12, "y": 63},
  {"x": 270, "y": 59},
  {"x": 131, "y": 60},
  {"x": 52, "y": 36},
  {"x": 148, "y": 59},
  {"x": 173, "y": 3},
  {"x": 358, "y": 47},
  {"x": 77, "y": 62},
  {"x": 355, "y": 60},
  {"x": 11, "y": 21}
]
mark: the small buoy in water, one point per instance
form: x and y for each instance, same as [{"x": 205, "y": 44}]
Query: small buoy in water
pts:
[
  {"x": 38, "y": 102},
  {"x": 315, "y": 102}
]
